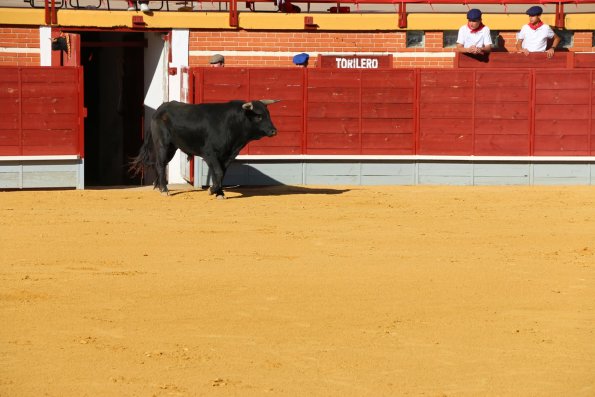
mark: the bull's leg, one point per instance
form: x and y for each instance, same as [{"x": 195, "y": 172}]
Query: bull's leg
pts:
[
  {"x": 218, "y": 174},
  {"x": 160, "y": 167}
]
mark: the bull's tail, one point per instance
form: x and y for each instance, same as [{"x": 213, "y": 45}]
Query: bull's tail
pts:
[{"x": 145, "y": 157}]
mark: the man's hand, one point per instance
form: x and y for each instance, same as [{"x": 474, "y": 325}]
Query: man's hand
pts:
[
  {"x": 524, "y": 51},
  {"x": 550, "y": 53},
  {"x": 474, "y": 50}
]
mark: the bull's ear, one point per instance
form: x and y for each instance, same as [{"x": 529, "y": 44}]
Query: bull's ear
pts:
[
  {"x": 269, "y": 101},
  {"x": 248, "y": 106}
]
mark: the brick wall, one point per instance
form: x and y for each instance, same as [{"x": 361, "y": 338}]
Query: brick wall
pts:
[
  {"x": 20, "y": 46},
  {"x": 267, "y": 44}
]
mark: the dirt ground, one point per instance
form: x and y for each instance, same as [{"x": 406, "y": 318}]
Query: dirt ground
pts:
[{"x": 298, "y": 291}]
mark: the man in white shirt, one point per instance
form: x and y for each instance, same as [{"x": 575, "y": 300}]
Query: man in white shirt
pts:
[
  {"x": 474, "y": 37},
  {"x": 534, "y": 36}
]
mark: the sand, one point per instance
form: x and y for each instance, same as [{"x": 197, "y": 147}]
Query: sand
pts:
[{"x": 298, "y": 291}]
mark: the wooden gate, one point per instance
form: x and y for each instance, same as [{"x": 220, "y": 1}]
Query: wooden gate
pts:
[{"x": 41, "y": 111}]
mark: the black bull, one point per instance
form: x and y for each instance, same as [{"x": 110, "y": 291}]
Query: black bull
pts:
[{"x": 214, "y": 131}]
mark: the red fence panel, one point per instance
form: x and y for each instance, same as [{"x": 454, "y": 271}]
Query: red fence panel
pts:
[
  {"x": 388, "y": 111},
  {"x": 458, "y": 112},
  {"x": 563, "y": 112},
  {"x": 41, "y": 111},
  {"x": 502, "y": 113},
  {"x": 446, "y": 112}
]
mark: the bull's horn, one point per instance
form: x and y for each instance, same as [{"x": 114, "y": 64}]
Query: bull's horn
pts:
[
  {"x": 248, "y": 106},
  {"x": 269, "y": 101}
]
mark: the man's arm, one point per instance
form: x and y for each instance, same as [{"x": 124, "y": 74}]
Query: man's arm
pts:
[
  {"x": 550, "y": 51},
  {"x": 519, "y": 47}
]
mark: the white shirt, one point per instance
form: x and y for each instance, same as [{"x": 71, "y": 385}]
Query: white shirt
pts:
[
  {"x": 535, "y": 40},
  {"x": 478, "y": 39}
]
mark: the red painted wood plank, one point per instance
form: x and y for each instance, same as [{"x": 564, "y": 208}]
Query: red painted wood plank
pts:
[
  {"x": 387, "y": 110},
  {"x": 462, "y": 95},
  {"x": 443, "y": 110},
  {"x": 225, "y": 76},
  {"x": 64, "y": 75},
  {"x": 333, "y": 94},
  {"x": 566, "y": 145},
  {"x": 48, "y": 137},
  {"x": 9, "y": 122},
  {"x": 288, "y": 123},
  {"x": 9, "y": 106},
  {"x": 41, "y": 90},
  {"x": 51, "y": 121},
  {"x": 276, "y": 77},
  {"x": 9, "y": 75},
  {"x": 562, "y": 112},
  {"x": 286, "y": 107},
  {"x": 561, "y": 127},
  {"x": 388, "y": 78},
  {"x": 68, "y": 148},
  {"x": 14, "y": 150},
  {"x": 333, "y": 125},
  {"x": 498, "y": 111},
  {"x": 502, "y": 127},
  {"x": 584, "y": 60},
  {"x": 446, "y": 144},
  {"x": 387, "y": 95},
  {"x": 331, "y": 110},
  {"x": 283, "y": 93},
  {"x": 289, "y": 150},
  {"x": 333, "y": 141},
  {"x": 562, "y": 96},
  {"x": 502, "y": 79},
  {"x": 217, "y": 94},
  {"x": 395, "y": 143},
  {"x": 333, "y": 78},
  {"x": 501, "y": 145},
  {"x": 562, "y": 79},
  {"x": 9, "y": 90},
  {"x": 49, "y": 105},
  {"x": 10, "y": 137},
  {"x": 457, "y": 126},
  {"x": 514, "y": 60},
  {"x": 502, "y": 94},
  {"x": 387, "y": 126},
  {"x": 446, "y": 78}
]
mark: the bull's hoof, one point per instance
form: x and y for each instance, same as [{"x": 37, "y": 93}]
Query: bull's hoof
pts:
[
  {"x": 220, "y": 197},
  {"x": 165, "y": 193}
]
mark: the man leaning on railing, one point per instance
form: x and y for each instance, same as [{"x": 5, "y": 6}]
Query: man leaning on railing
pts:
[
  {"x": 474, "y": 37},
  {"x": 535, "y": 35}
]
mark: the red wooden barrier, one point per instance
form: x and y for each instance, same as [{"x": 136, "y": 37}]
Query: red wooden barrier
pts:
[
  {"x": 41, "y": 111},
  {"x": 507, "y": 112}
]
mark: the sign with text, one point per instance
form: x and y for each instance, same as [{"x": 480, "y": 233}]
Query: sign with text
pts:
[{"x": 356, "y": 61}]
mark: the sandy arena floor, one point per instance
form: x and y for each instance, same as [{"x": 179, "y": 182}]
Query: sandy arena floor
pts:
[{"x": 298, "y": 291}]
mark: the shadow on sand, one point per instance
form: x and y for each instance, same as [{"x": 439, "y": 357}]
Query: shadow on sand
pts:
[{"x": 276, "y": 190}]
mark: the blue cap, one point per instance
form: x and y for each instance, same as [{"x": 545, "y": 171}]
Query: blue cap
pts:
[
  {"x": 474, "y": 14},
  {"x": 535, "y": 11},
  {"x": 301, "y": 59}
]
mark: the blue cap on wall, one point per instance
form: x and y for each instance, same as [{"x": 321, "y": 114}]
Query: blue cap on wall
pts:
[
  {"x": 535, "y": 11},
  {"x": 474, "y": 14},
  {"x": 301, "y": 59}
]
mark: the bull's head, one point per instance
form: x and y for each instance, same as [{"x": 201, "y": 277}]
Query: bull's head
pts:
[{"x": 260, "y": 117}]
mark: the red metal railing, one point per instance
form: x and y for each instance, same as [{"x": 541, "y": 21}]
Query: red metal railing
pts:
[{"x": 51, "y": 6}]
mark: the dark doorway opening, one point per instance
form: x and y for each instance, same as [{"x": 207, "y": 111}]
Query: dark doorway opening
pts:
[{"x": 113, "y": 65}]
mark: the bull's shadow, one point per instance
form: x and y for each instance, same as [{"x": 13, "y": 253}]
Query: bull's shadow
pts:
[
  {"x": 264, "y": 190},
  {"x": 279, "y": 190},
  {"x": 249, "y": 181}
]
